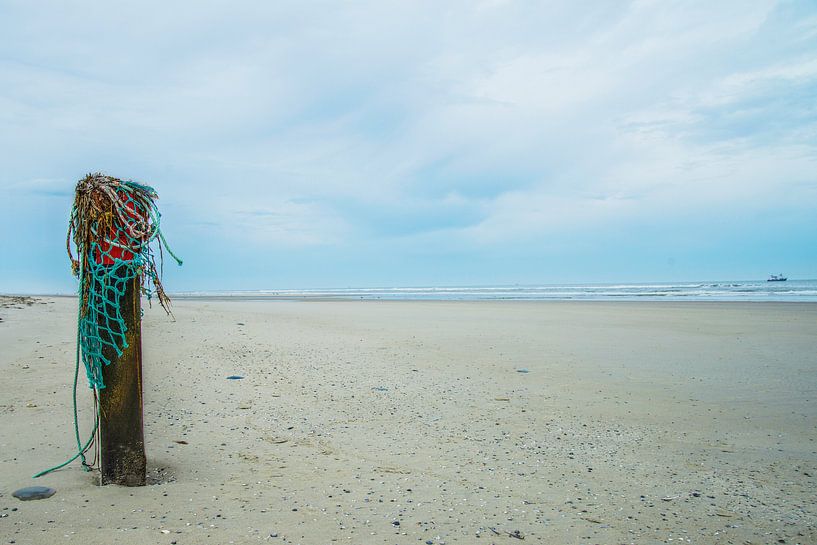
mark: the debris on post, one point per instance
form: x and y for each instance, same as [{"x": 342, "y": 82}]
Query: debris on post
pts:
[{"x": 113, "y": 225}]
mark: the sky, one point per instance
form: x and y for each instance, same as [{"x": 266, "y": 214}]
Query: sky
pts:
[{"x": 413, "y": 143}]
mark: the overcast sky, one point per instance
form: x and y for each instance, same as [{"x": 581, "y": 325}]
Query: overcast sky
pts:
[{"x": 375, "y": 143}]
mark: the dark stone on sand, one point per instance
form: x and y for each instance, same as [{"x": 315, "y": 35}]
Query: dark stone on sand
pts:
[
  {"x": 234, "y": 377},
  {"x": 34, "y": 493}
]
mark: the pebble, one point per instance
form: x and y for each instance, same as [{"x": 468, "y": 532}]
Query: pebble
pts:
[{"x": 34, "y": 493}]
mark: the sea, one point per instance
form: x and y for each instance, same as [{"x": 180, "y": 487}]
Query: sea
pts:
[{"x": 731, "y": 290}]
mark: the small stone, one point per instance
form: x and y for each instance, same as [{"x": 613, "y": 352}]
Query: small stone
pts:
[{"x": 34, "y": 493}]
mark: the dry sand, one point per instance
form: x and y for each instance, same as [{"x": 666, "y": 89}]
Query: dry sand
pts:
[{"x": 411, "y": 422}]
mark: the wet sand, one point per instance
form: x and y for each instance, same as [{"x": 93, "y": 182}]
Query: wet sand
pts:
[{"x": 430, "y": 422}]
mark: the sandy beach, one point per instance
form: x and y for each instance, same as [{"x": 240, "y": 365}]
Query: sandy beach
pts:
[{"x": 431, "y": 423}]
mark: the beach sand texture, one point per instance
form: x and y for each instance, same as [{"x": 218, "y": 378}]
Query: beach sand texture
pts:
[{"x": 415, "y": 422}]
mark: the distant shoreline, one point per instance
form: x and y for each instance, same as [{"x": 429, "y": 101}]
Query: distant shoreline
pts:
[
  {"x": 729, "y": 290},
  {"x": 723, "y": 291},
  {"x": 352, "y": 299},
  {"x": 317, "y": 299}
]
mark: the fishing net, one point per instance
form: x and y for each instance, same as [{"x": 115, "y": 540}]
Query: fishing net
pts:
[{"x": 113, "y": 225}]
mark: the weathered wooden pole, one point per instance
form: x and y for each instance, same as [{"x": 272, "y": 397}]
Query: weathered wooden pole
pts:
[
  {"x": 113, "y": 224},
  {"x": 121, "y": 428}
]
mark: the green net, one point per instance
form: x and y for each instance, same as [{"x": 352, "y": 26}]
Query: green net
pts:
[{"x": 114, "y": 224}]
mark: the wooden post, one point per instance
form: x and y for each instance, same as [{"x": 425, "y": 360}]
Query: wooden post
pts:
[{"x": 121, "y": 429}]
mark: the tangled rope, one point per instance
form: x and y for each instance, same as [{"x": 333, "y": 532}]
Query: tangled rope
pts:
[{"x": 113, "y": 224}]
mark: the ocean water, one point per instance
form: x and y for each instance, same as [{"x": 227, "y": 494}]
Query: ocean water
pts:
[{"x": 732, "y": 290}]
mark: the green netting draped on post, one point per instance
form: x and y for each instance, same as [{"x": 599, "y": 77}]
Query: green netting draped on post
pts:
[{"x": 113, "y": 225}]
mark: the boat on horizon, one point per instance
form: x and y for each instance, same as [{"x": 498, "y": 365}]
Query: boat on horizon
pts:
[{"x": 776, "y": 278}]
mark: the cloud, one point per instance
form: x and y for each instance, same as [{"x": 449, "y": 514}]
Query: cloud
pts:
[
  {"x": 43, "y": 187},
  {"x": 382, "y": 127},
  {"x": 285, "y": 223}
]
